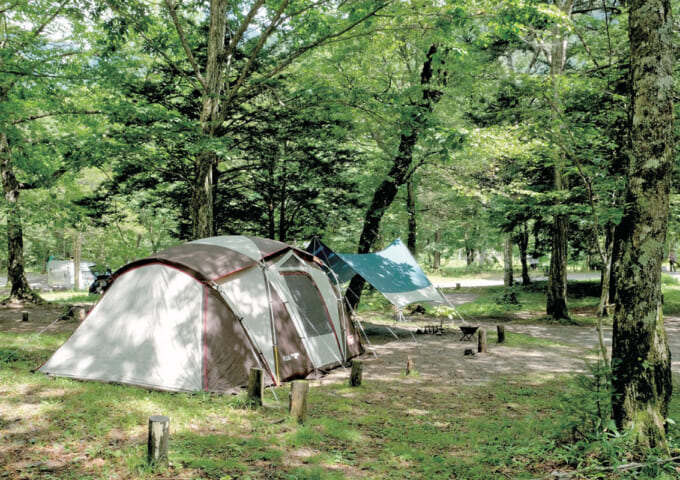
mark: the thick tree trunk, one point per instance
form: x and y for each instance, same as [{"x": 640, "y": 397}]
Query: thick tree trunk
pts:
[
  {"x": 202, "y": 200},
  {"x": 411, "y": 211},
  {"x": 641, "y": 362},
  {"x": 397, "y": 176},
  {"x": 21, "y": 290}
]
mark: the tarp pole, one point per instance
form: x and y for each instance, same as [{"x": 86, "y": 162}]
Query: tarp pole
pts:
[{"x": 401, "y": 317}]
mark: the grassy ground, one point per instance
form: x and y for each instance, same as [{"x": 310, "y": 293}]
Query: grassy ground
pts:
[{"x": 520, "y": 427}]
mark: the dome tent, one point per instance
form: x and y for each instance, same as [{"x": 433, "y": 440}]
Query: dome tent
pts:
[{"x": 198, "y": 316}]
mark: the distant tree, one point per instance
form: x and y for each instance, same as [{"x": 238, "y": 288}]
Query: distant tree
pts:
[{"x": 42, "y": 52}]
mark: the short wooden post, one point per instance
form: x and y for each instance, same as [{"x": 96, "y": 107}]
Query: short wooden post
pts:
[
  {"x": 159, "y": 434},
  {"x": 409, "y": 366},
  {"x": 356, "y": 373},
  {"x": 79, "y": 313},
  {"x": 255, "y": 387},
  {"x": 501, "y": 333},
  {"x": 298, "y": 400},
  {"x": 481, "y": 341},
  {"x": 24, "y": 316},
  {"x": 457, "y": 286}
]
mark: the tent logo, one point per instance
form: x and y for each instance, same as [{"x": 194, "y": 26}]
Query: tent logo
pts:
[{"x": 292, "y": 356}]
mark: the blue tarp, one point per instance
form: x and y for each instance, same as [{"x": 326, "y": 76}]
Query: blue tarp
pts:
[
  {"x": 342, "y": 272},
  {"x": 393, "y": 272}
]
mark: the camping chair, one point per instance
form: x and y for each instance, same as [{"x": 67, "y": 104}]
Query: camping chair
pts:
[{"x": 467, "y": 331}]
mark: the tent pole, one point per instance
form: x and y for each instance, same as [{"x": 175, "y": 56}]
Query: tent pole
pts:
[
  {"x": 257, "y": 353},
  {"x": 263, "y": 266}
]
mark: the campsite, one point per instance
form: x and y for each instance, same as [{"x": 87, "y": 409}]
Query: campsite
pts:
[
  {"x": 515, "y": 412},
  {"x": 321, "y": 239}
]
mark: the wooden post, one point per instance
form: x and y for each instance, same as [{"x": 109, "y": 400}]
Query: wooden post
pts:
[
  {"x": 79, "y": 313},
  {"x": 24, "y": 316},
  {"x": 457, "y": 286},
  {"x": 298, "y": 400},
  {"x": 409, "y": 366},
  {"x": 481, "y": 341},
  {"x": 255, "y": 387},
  {"x": 159, "y": 434},
  {"x": 501, "y": 333},
  {"x": 356, "y": 373}
]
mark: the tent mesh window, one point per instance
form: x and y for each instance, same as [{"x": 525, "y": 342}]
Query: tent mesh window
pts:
[{"x": 309, "y": 303}]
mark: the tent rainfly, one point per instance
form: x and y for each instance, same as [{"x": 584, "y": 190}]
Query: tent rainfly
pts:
[
  {"x": 198, "y": 316},
  {"x": 392, "y": 271}
]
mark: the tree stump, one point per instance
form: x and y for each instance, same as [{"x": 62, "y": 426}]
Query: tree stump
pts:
[
  {"x": 501, "y": 333},
  {"x": 409, "y": 366},
  {"x": 24, "y": 316},
  {"x": 255, "y": 387},
  {"x": 457, "y": 286},
  {"x": 79, "y": 313},
  {"x": 298, "y": 400},
  {"x": 159, "y": 434},
  {"x": 481, "y": 341},
  {"x": 356, "y": 373}
]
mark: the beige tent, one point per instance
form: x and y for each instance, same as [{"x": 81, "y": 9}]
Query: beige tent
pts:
[{"x": 198, "y": 316}]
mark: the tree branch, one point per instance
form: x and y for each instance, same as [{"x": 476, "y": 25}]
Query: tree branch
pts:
[
  {"x": 55, "y": 114},
  {"x": 234, "y": 41},
  {"x": 182, "y": 37},
  {"x": 165, "y": 56},
  {"x": 322, "y": 41},
  {"x": 263, "y": 38}
]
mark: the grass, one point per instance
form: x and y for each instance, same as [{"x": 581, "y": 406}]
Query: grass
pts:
[{"x": 514, "y": 428}]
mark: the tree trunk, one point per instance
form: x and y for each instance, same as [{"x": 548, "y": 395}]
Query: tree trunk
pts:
[
  {"x": 508, "y": 274},
  {"x": 21, "y": 290},
  {"x": 641, "y": 362},
  {"x": 382, "y": 199},
  {"x": 437, "y": 255},
  {"x": 411, "y": 211},
  {"x": 557, "y": 281},
  {"x": 397, "y": 176},
  {"x": 469, "y": 256},
  {"x": 77, "y": 244},
  {"x": 202, "y": 202},
  {"x": 523, "y": 245},
  {"x": 605, "y": 280},
  {"x": 556, "y": 304}
]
